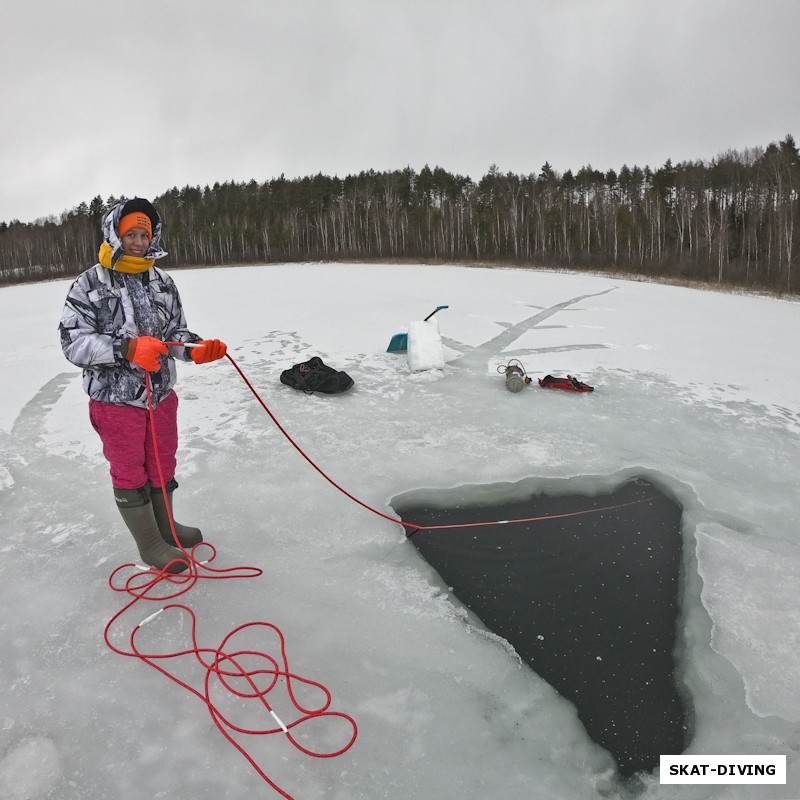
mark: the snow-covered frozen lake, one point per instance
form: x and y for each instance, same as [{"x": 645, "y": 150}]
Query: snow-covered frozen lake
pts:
[{"x": 696, "y": 390}]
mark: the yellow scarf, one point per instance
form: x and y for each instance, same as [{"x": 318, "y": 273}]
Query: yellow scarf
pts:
[{"x": 130, "y": 264}]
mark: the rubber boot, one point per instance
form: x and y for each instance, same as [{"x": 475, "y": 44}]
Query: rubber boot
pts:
[
  {"x": 187, "y": 535},
  {"x": 137, "y": 513}
]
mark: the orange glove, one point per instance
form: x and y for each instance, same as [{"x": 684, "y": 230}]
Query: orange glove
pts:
[
  {"x": 211, "y": 350},
  {"x": 144, "y": 351}
]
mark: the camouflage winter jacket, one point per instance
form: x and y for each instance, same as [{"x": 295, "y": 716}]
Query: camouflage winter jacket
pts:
[{"x": 103, "y": 309}]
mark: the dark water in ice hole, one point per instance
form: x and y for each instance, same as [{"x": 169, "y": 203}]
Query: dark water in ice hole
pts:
[{"x": 589, "y": 602}]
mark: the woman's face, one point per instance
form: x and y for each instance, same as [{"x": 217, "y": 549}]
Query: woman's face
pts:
[{"x": 135, "y": 242}]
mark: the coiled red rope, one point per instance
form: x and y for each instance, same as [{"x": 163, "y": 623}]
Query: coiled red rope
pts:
[{"x": 228, "y": 670}]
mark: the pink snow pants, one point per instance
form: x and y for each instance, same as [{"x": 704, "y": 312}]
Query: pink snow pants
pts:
[{"x": 128, "y": 441}]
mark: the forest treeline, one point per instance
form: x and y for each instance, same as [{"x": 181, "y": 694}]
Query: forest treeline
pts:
[{"x": 729, "y": 221}]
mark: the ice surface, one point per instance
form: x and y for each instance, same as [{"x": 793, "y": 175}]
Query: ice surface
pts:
[{"x": 693, "y": 388}]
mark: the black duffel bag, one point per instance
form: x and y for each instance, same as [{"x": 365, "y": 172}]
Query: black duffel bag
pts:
[{"x": 315, "y": 375}]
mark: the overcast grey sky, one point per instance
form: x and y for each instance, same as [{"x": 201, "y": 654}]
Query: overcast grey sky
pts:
[{"x": 133, "y": 98}]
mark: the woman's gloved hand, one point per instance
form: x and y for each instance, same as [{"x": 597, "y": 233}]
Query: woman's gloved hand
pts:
[
  {"x": 144, "y": 351},
  {"x": 210, "y": 350}
]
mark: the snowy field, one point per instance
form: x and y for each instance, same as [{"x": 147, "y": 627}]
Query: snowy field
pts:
[{"x": 696, "y": 390}]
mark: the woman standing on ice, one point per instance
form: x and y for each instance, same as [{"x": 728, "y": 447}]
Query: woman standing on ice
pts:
[{"x": 117, "y": 316}]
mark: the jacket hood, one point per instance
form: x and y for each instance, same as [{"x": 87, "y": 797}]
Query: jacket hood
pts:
[{"x": 110, "y": 228}]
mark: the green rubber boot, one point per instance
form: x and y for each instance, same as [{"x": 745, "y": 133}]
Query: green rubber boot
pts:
[
  {"x": 187, "y": 536},
  {"x": 137, "y": 513}
]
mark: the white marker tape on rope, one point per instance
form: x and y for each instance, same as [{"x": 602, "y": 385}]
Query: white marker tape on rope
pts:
[
  {"x": 279, "y": 721},
  {"x": 150, "y": 618}
]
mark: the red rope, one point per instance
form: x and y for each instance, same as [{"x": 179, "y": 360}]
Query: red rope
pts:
[
  {"x": 410, "y": 525},
  {"x": 242, "y": 671},
  {"x": 308, "y": 458},
  {"x": 533, "y": 519}
]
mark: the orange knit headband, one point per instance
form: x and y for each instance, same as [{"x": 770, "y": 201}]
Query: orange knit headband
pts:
[{"x": 136, "y": 219}]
